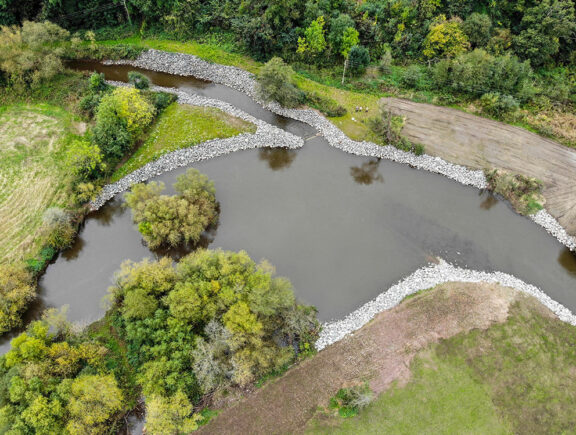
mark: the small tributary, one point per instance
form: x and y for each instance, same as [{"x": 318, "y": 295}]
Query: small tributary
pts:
[{"x": 342, "y": 228}]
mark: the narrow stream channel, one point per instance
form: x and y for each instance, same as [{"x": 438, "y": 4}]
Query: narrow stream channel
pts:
[{"x": 342, "y": 228}]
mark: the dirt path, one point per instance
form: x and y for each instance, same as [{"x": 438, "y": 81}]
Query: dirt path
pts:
[
  {"x": 379, "y": 353},
  {"x": 480, "y": 143}
]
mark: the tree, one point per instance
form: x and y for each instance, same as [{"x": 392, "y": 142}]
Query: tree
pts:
[
  {"x": 93, "y": 400},
  {"x": 178, "y": 219},
  {"x": 16, "y": 292},
  {"x": 338, "y": 26},
  {"x": 314, "y": 41},
  {"x": 445, "y": 38},
  {"x": 83, "y": 159},
  {"x": 275, "y": 83},
  {"x": 349, "y": 40},
  {"x": 58, "y": 228},
  {"x": 359, "y": 59},
  {"x": 170, "y": 415},
  {"x": 29, "y": 54},
  {"x": 543, "y": 28},
  {"x": 139, "y": 80},
  {"x": 478, "y": 29}
]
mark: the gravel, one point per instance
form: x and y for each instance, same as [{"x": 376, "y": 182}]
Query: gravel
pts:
[{"x": 425, "y": 278}]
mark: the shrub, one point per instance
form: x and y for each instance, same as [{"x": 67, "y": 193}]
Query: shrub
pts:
[
  {"x": 478, "y": 72},
  {"x": 325, "y": 105},
  {"x": 349, "y": 401},
  {"x": 411, "y": 76},
  {"x": 84, "y": 160},
  {"x": 162, "y": 100},
  {"x": 275, "y": 83},
  {"x": 58, "y": 229},
  {"x": 139, "y": 80},
  {"x": 358, "y": 59},
  {"x": 385, "y": 64},
  {"x": 29, "y": 53},
  {"x": 498, "y": 105},
  {"x": 388, "y": 129},
  {"x": 525, "y": 193},
  {"x": 16, "y": 293},
  {"x": 173, "y": 220}
]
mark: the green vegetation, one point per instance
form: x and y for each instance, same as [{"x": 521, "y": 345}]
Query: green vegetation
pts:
[
  {"x": 387, "y": 130},
  {"x": 174, "y": 333},
  {"x": 523, "y": 192},
  {"x": 178, "y": 219},
  {"x": 276, "y": 83},
  {"x": 16, "y": 292},
  {"x": 514, "y": 377},
  {"x": 182, "y": 126},
  {"x": 348, "y": 402}
]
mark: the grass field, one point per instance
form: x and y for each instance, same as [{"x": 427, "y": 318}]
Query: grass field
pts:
[
  {"x": 33, "y": 139},
  {"x": 516, "y": 377},
  {"x": 181, "y": 126}
]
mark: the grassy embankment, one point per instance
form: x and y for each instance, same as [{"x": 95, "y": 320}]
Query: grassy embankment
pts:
[
  {"x": 515, "y": 377},
  {"x": 367, "y": 90},
  {"x": 182, "y": 126},
  {"x": 34, "y": 139}
]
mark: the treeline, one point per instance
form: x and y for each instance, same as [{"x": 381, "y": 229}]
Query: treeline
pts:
[{"x": 542, "y": 32}]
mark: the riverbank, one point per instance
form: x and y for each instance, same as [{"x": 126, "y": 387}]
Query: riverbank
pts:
[
  {"x": 453, "y": 319},
  {"x": 243, "y": 81}
]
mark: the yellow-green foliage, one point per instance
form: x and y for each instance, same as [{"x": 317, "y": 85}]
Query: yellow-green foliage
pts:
[
  {"x": 133, "y": 108},
  {"x": 170, "y": 415},
  {"x": 173, "y": 220},
  {"x": 445, "y": 38},
  {"x": 16, "y": 292},
  {"x": 525, "y": 193}
]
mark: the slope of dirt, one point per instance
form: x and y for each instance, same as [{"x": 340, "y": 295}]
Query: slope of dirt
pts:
[
  {"x": 379, "y": 353},
  {"x": 480, "y": 143}
]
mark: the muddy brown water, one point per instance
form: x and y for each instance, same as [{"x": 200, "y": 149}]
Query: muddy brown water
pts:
[{"x": 342, "y": 228}]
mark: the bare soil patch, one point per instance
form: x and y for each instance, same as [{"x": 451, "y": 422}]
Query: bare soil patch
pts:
[
  {"x": 480, "y": 143},
  {"x": 379, "y": 353}
]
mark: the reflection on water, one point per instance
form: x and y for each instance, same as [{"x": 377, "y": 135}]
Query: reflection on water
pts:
[
  {"x": 367, "y": 172},
  {"x": 277, "y": 158},
  {"x": 567, "y": 259},
  {"x": 489, "y": 201}
]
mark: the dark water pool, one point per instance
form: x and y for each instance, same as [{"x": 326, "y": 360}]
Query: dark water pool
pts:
[{"x": 342, "y": 228}]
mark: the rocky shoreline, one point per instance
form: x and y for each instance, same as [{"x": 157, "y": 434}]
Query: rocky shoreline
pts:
[
  {"x": 243, "y": 81},
  {"x": 425, "y": 278}
]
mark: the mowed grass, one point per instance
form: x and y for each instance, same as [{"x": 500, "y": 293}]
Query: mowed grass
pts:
[
  {"x": 182, "y": 126},
  {"x": 353, "y": 124},
  {"x": 33, "y": 140},
  {"x": 516, "y": 377}
]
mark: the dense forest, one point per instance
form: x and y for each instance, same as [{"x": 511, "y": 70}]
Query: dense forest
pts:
[{"x": 542, "y": 32}]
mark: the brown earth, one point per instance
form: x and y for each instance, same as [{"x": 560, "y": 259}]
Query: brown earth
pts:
[
  {"x": 481, "y": 143},
  {"x": 379, "y": 353}
]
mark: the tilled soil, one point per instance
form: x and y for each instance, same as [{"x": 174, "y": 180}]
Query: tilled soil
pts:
[
  {"x": 379, "y": 353},
  {"x": 480, "y": 143}
]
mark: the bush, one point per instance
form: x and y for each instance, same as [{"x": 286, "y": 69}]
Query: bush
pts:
[
  {"x": 30, "y": 54},
  {"x": 58, "y": 229},
  {"x": 139, "y": 80},
  {"x": 479, "y": 72},
  {"x": 385, "y": 64},
  {"x": 326, "y": 105},
  {"x": 411, "y": 76},
  {"x": 478, "y": 28},
  {"x": 121, "y": 118},
  {"x": 275, "y": 83},
  {"x": 349, "y": 401},
  {"x": 173, "y": 220},
  {"x": 162, "y": 100},
  {"x": 388, "y": 129},
  {"x": 358, "y": 59},
  {"x": 525, "y": 193},
  {"x": 16, "y": 293},
  {"x": 498, "y": 105},
  {"x": 84, "y": 160}
]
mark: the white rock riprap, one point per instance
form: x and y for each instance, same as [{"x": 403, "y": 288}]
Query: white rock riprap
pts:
[
  {"x": 244, "y": 81},
  {"x": 425, "y": 278}
]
